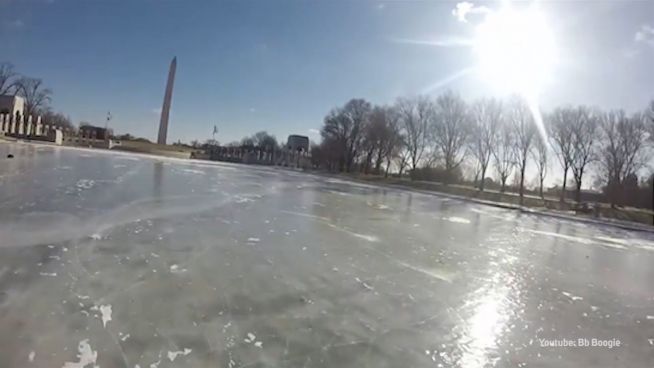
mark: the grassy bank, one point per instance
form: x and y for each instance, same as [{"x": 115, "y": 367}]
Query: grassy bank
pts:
[
  {"x": 154, "y": 149},
  {"x": 637, "y": 215}
]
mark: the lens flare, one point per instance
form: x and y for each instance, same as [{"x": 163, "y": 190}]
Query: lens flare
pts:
[
  {"x": 517, "y": 54},
  {"x": 516, "y": 50}
]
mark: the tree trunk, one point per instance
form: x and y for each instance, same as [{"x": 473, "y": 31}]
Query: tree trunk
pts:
[
  {"x": 388, "y": 165},
  {"x": 540, "y": 189},
  {"x": 378, "y": 162},
  {"x": 578, "y": 182},
  {"x": 503, "y": 187},
  {"x": 483, "y": 178},
  {"x": 522, "y": 179},
  {"x": 565, "y": 179},
  {"x": 368, "y": 161}
]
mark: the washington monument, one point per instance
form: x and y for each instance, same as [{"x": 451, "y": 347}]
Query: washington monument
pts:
[{"x": 165, "y": 110}]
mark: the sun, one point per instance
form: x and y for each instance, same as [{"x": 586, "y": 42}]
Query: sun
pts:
[{"x": 515, "y": 50}]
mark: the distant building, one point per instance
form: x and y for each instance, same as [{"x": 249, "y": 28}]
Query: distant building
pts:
[
  {"x": 12, "y": 105},
  {"x": 94, "y": 132},
  {"x": 298, "y": 143}
]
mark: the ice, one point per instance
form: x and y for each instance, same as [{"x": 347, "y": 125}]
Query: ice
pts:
[
  {"x": 172, "y": 355},
  {"x": 572, "y": 297},
  {"x": 86, "y": 356},
  {"x": 457, "y": 220},
  {"x": 343, "y": 287},
  {"x": 105, "y": 313},
  {"x": 83, "y": 184}
]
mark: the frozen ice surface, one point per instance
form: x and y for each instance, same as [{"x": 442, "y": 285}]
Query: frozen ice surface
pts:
[{"x": 120, "y": 260}]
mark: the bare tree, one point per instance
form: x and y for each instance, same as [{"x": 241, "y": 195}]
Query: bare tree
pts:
[
  {"x": 558, "y": 125},
  {"x": 264, "y": 140},
  {"x": 395, "y": 148},
  {"x": 388, "y": 139},
  {"x": 36, "y": 96},
  {"x": 57, "y": 119},
  {"x": 486, "y": 118},
  {"x": 344, "y": 127},
  {"x": 374, "y": 136},
  {"x": 649, "y": 116},
  {"x": 7, "y": 79},
  {"x": 584, "y": 136},
  {"x": 525, "y": 129},
  {"x": 357, "y": 113},
  {"x": 402, "y": 158},
  {"x": 334, "y": 137},
  {"x": 503, "y": 152},
  {"x": 540, "y": 158},
  {"x": 622, "y": 151},
  {"x": 450, "y": 130},
  {"x": 415, "y": 115},
  {"x": 247, "y": 142}
]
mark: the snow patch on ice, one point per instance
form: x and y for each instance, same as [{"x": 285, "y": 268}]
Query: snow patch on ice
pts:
[
  {"x": 86, "y": 356},
  {"x": 562, "y": 236},
  {"x": 105, "y": 312},
  {"x": 364, "y": 284},
  {"x": 572, "y": 297},
  {"x": 253, "y": 240},
  {"x": 175, "y": 269},
  {"x": 172, "y": 355},
  {"x": 51, "y": 274},
  {"x": 83, "y": 184},
  {"x": 31, "y": 356},
  {"x": 456, "y": 220},
  {"x": 435, "y": 273},
  {"x": 370, "y": 238}
]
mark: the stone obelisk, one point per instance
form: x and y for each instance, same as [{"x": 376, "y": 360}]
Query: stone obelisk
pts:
[{"x": 165, "y": 110}]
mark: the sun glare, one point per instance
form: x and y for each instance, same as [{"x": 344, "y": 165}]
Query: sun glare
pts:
[{"x": 516, "y": 50}]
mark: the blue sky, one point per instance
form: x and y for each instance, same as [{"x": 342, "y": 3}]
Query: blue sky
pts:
[{"x": 281, "y": 65}]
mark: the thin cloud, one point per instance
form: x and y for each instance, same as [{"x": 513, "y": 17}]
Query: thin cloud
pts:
[
  {"x": 645, "y": 35},
  {"x": 442, "y": 42},
  {"x": 447, "y": 80},
  {"x": 16, "y": 23},
  {"x": 156, "y": 110},
  {"x": 314, "y": 131},
  {"x": 464, "y": 8}
]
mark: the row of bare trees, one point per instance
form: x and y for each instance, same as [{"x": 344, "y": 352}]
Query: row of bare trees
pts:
[
  {"x": 36, "y": 96},
  {"x": 501, "y": 136}
]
